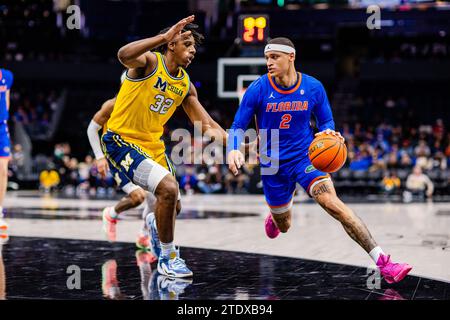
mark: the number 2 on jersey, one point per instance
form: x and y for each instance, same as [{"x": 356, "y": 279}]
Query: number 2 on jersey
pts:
[{"x": 285, "y": 119}]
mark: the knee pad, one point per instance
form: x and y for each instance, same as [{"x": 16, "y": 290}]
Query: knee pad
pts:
[{"x": 149, "y": 174}]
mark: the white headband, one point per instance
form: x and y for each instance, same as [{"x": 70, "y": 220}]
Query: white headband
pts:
[{"x": 279, "y": 47}]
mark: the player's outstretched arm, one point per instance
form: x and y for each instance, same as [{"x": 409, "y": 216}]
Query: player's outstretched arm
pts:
[
  {"x": 245, "y": 113},
  {"x": 196, "y": 112},
  {"x": 96, "y": 124},
  {"x": 136, "y": 54}
]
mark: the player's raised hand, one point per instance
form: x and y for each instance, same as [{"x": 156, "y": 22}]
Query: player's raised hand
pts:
[
  {"x": 102, "y": 167},
  {"x": 176, "y": 29},
  {"x": 332, "y": 132},
  {"x": 235, "y": 161}
]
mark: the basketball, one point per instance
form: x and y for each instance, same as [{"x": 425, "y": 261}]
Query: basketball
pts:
[{"x": 327, "y": 153}]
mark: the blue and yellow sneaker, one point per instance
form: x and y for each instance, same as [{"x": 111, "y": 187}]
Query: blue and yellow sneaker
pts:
[
  {"x": 155, "y": 245},
  {"x": 173, "y": 266},
  {"x": 172, "y": 288}
]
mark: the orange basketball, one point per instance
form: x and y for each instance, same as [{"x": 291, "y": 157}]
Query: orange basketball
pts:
[{"x": 327, "y": 153}]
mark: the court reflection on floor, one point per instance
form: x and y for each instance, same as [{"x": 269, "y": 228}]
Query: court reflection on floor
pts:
[{"x": 154, "y": 286}]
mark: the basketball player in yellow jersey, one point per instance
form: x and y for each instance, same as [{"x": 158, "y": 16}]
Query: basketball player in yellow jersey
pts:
[{"x": 155, "y": 85}]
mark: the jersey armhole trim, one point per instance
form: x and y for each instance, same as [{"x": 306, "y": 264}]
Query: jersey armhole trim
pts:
[
  {"x": 147, "y": 77},
  {"x": 188, "y": 87}
]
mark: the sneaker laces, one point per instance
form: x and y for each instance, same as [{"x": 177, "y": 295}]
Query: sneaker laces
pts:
[
  {"x": 178, "y": 263},
  {"x": 385, "y": 260}
]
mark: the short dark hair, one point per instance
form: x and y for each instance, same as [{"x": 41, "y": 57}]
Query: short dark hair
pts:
[
  {"x": 198, "y": 37},
  {"x": 282, "y": 40}
]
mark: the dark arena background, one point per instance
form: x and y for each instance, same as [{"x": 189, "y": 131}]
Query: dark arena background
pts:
[{"x": 385, "y": 66}]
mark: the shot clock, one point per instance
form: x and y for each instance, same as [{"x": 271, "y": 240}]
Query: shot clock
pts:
[{"x": 253, "y": 29}]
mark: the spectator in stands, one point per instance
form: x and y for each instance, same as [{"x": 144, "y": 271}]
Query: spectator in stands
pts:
[
  {"x": 405, "y": 160},
  {"x": 439, "y": 129},
  {"x": 418, "y": 184},
  {"x": 381, "y": 143},
  {"x": 49, "y": 179},
  {"x": 422, "y": 149},
  {"x": 84, "y": 170},
  {"x": 237, "y": 184},
  {"x": 189, "y": 181},
  {"x": 20, "y": 115},
  {"x": 447, "y": 151},
  {"x": 390, "y": 183},
  {"x": 392, "y": 159},
  {"x": 378, "y": 162},
  {"x": 211, "y": 182},
  {"x": 363, "y": 161},
  {"x": 17, "y": 163}
]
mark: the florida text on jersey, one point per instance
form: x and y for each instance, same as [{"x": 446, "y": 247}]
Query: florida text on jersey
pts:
[{"x": 288, "y": 110}]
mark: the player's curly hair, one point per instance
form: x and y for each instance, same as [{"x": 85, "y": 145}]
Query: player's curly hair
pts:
[{"x": 198, "y": 37}]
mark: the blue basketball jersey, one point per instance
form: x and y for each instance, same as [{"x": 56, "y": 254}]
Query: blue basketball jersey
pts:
[
  {"x": 6, "y": 81},
  {"x": 288, "y": 111}
]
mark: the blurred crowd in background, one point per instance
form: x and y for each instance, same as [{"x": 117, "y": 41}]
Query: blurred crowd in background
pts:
[
  {"x": 395, "y": 124},
  {"x": 394, "y": 157}
]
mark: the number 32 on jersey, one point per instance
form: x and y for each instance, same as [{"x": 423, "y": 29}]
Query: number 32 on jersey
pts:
[{"x": 162, "y": 104}]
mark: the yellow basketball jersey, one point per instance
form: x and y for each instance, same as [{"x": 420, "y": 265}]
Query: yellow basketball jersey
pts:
[{"x": 144, "y": 105}]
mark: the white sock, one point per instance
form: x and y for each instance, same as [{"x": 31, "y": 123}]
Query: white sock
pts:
[
  {"x": 112, "y": 213},
  {"x": 1, "y": 212},
  {"x": 167, "y": 248},
  {"x": 375, "y": 253}
]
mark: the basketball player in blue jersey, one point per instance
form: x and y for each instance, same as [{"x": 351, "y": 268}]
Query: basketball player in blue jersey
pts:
[
  {"x": 6, "y": 81},
  {"x": 283, "y": 101}
]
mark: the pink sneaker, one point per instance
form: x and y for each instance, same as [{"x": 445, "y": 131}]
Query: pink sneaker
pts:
[
  {"x": 144, "y": 257},
  {"x": 143, "y": 242},
  {"x": 391, "y": 294},
  {"x": 272, "y": 230},
  {"x": 109, "y": 225},
  {"x": 392, "y": 272}
]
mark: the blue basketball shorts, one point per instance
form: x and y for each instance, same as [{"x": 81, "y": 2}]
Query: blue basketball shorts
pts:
[
  {"x": 279, "y": 187},
  {"x": 5, "y": 144}
]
